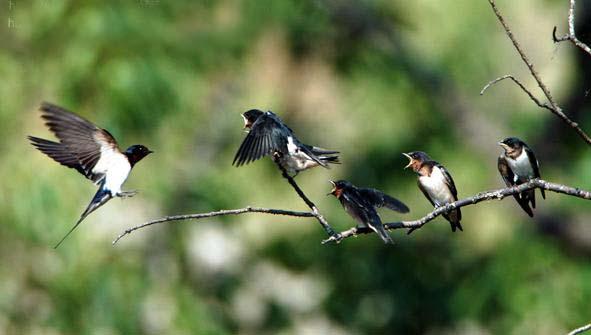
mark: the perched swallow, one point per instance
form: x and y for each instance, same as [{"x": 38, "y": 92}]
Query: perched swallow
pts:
[
  {"x": 90, "y": 150},
  {"x": 436, "y": 184},
  {"x": 361, "y": 203},
  {"x": 518, "y": 165},
  {"x": 269, "y": 135}
]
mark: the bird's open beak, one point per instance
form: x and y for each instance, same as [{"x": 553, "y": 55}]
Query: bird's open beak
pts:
[
  {"x": 409, "y": 160},
  {"x": 506, "y": 147},
  {"x": 246, "y": 123},
  {"x": 334, "y": 188}
]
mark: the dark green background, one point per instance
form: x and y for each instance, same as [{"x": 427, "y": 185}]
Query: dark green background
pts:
[{"x": 370, "y": 78}]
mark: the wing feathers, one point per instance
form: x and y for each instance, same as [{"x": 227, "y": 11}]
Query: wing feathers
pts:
[
  {"x": 80, "y": 141},
  {"x": 266, "y": 135},
  {"x": 380, "y": 199}
]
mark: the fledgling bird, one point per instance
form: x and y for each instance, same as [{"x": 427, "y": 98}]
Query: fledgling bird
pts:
[
  {"x": 436, "y": 184},
  {"x": 90, "y": 150},
  {"x": 269, "y": 135},
  {"x": 361, "y": 203},
  {"x": 518, "y": 165}
]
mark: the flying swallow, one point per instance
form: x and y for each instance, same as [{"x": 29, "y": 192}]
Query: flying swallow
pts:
[
  {"x": 518, "y": 165},
  {"x": 361, "y": 203},
  {"x": 436, "y": 184},
  {"x": 90, "y": 150},
  {"x": 269, "y": 135}
]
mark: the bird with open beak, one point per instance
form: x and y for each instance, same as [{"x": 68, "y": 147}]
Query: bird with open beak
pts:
[
  {"x": 361, "y": 204},
  {"x": 518, "y": 165},
  {"x": 436, "y": 184},
  {"x": 268, "y": 135}
]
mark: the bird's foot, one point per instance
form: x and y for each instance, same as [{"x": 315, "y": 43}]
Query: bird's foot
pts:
[{"x": 126, "y": 194}]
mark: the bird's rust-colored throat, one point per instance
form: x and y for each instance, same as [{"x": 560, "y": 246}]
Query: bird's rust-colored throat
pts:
[{"x": 336, "y": 191}]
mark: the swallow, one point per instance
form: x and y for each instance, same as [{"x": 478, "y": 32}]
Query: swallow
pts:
[
  {"x": 90, "y": 150},
  {"x": 267, "y": 134},
  {"x": 517, "y": 165},
  {"x": 361, "y": 204},
  {"x": 436, "y": 184}
]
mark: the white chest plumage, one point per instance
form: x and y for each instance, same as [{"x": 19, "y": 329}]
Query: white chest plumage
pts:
[
  {"x": 436, "y": 187},
  {"x": 297, "y": 160},
  {"x": 521, "y": 166},
  {"x": 115, "y": 166}
]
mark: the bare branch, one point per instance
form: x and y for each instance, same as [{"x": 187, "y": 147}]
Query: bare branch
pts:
[
  {"x": 571, "y": 31},
  {"x": 483, "y": 196},
  {"x": 508, "y": 76},
  {"x": 580, "y": 330},
  {"x": 552, "y": 106},
  {"x": 217, "y": 213},
  {"x": 315, "y": 212},
  {"x": 308, "y": 202}
]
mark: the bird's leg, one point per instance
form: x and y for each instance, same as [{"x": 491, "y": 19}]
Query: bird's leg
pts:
[{"x": 126, "y": 194}]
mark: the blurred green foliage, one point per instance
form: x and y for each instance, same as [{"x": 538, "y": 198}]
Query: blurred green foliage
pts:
[{"x": 370, "y": 78}]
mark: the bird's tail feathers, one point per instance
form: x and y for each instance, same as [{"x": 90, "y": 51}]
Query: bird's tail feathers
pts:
[
  {"x": 385, "y": 236},
  {"x": 320, "y": 151},
  {"x": 524, "y": 204},
  {"x": 99, "y": 199},
  {"x": 454, "y": 218},
  {"x": 330, "y": 159}
]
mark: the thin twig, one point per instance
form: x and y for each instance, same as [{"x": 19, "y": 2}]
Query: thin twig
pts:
[
  {"x": 217, "y": 213},
  {"x": 580, "y": 330},
  {"x": 483, "y": 196},
  {"x": 508, "y": 76},
  {"x": 308, "y": 202},
  {"x": 552, "y": 106},
  {"x": 571, "y": 31}
]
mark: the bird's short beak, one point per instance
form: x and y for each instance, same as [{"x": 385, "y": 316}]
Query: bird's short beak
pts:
[
  {"x": 409, "y": 160},
  {"x": 150, "y": 151},
  {"x": 334, "y": 188}
]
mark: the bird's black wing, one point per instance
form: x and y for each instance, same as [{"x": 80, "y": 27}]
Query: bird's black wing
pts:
[
  {"x": 58, "y": 152},
  {"x": 380, "y": 199},
  {"x": 535, "y": 165},
  {"x": 80, "y": 141},
  {"x": 267, "y": 135},
  {"x": 454, "y": 216},
  {"x": 448, "y": 180},
  {"x": 509, "y": 178},
  {"x": 506, "y": 171},
  {"x": 364, "y": 211}
]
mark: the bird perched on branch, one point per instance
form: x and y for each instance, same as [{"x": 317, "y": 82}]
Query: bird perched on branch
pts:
[
  {"x": 361, "y": 203},
  {"x": 436, "y": 184},
  {"x": 269, "y": 135},
  {"x": 518, "y": 165},
  {"x": 90, "y": 150}
]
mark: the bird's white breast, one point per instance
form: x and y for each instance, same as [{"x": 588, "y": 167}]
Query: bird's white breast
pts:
[
  {"x": 521, "y": 166},
  {"x": 436, "y": 187},
  {"x": 115, "y": 166},
  {"x": 297, "y": 160}
]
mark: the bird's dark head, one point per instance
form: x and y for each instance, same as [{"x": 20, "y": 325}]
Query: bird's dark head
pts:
[
  {"x": 416, "y": 159},
  {"x": 251, "y": 116},
  {"x": 338, "y": 187},
  {"x": 136, "y": 152},
  {"x": 512, "y": 146}
]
